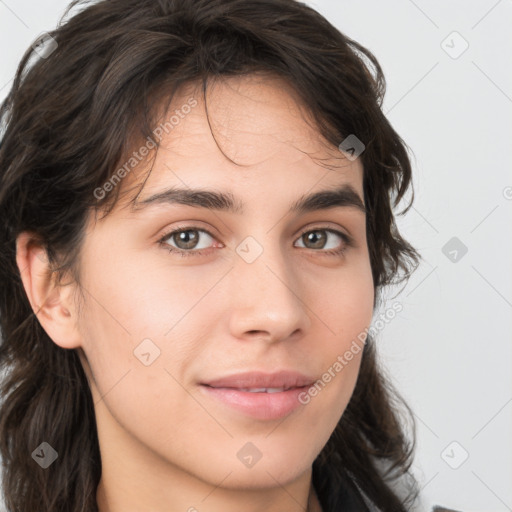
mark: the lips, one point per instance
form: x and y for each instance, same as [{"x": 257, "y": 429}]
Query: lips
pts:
[
  {"x": 262, "y": 382},
  {"x": 262, "y": 396}
]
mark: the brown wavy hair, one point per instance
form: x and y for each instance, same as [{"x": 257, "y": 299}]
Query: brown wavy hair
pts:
[{"x": 69, "y": 120}]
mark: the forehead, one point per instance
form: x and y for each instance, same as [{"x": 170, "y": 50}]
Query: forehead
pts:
[{"x": 259, "y": 122}]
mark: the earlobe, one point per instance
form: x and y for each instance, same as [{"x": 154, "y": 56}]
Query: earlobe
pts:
[{"x": 52, "y": 303}]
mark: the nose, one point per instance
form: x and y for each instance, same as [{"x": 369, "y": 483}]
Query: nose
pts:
[{"x": 266, "y": 301}]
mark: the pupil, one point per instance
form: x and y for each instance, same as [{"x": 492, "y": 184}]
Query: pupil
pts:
[
  {"x": 189, "y": 241},
  {"x": 313, "y": 236}
]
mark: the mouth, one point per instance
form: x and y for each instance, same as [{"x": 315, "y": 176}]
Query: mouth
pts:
[
  {"x": 262, "y": 382},
  {"x": 255, "y": 390},
  {"x": 264, "y": 404}
]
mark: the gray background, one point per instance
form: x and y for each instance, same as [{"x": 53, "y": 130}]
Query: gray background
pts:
[{"x": 448, "y": 351}]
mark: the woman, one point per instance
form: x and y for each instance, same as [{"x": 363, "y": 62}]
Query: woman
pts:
[{"x": 197, "y": 207}]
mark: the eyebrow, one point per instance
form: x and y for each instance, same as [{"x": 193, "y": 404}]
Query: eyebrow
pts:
[{"x": 344, "y": 196}]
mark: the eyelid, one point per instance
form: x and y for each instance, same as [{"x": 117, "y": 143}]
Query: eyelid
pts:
[
  {"x": 326, "y": 227},
  {"x": 185, "y": 227}
]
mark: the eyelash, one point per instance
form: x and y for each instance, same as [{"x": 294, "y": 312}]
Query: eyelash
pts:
[{"x": 348, "y": 242}]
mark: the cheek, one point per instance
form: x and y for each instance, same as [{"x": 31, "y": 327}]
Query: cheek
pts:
[
  {"x": 344, "y": 303},
  {"x": 345, "y": 311},
  {"x": 137, "y": 348},
  {"x": 130, "y": 301},
  {"x": 141, "y": 331}
]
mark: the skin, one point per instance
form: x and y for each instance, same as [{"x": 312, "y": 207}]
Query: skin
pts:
[{"x": 164, "y": 444}]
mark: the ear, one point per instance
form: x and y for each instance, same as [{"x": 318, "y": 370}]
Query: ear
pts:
[{"x": 52, "y": 303}]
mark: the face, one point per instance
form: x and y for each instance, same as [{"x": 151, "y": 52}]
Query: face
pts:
[{"x": 259, "y": 287}]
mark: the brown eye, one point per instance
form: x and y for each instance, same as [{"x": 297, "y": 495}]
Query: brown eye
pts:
[
  {"x": 187, "y": 242},
  {"x": 325, "y": 240},
  {"x": 316, "y": 238}
]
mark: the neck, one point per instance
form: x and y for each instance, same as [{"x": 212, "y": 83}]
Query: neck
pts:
[{"x": 313, "y": 501}]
